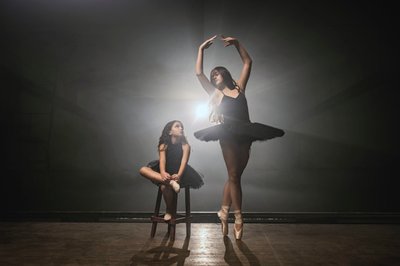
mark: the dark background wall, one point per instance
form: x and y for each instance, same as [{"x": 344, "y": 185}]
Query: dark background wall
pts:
[{"x": 87, "y": 87}]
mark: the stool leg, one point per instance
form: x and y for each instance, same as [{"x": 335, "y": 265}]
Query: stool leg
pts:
[
  {"x": 172, "y": 233},
  {"x": 187, "y": 214},
  {"x": 156, "y": 212}
]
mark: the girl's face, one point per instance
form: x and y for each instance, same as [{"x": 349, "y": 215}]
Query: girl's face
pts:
[
  {"x": 217, "y": 79},
  {"x": 176, "y": 130}
]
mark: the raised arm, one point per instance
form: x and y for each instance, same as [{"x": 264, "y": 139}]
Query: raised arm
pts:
[
  {"x": 246, "y": 59},
  {"x": 205, "y": 83}
]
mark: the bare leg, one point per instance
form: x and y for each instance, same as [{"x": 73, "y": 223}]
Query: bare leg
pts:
[
  {"x": 226, "y": 195},
  {"x": 236, "y": 156},
  {"x": 166, "y": 189},
  {"x": 150, "y": 174},
  {"x": 169, "y": 198},
  {"x": 244, "y": 155}
]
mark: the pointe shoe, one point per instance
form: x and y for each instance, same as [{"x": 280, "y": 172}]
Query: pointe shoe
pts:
[
  {"x": 223, "y": 216},
  {"x": 238, "y": 221},
  {"x": 238, "y": 233},
  {"x": 175, "y": 186},
  {"x": 167, "y": 217}
]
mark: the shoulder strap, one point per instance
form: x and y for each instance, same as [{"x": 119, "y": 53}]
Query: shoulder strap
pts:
[{"x": 238, "y": 89}]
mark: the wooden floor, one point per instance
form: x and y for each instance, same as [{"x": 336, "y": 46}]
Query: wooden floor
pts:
[{"x": 38, "y": 243}]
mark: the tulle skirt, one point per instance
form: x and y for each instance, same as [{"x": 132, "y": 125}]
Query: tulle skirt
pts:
[
  {"x": 190, "y": 177},
  {"x": 241, "y": 131}
]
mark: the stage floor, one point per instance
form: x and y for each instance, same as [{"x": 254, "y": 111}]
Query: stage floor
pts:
[{"x": 40, "y": 243}]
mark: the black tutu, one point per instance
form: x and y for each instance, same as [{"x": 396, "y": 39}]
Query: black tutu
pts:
[
  {"x": 241, "y": 131},
  {"x": 190, "y": 177}
]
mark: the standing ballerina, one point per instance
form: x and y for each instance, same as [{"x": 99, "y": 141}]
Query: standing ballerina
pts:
[
  {"x": 172, "y": 170},
  {"x": 234, "y": 130}
]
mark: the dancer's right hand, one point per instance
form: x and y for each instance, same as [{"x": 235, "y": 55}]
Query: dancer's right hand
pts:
[
  {"x": 207, "y": 43},
  {"x": 165, "y": 176}
]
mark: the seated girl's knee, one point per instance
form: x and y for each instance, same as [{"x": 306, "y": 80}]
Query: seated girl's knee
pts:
[{"x": 143, "y": 170}]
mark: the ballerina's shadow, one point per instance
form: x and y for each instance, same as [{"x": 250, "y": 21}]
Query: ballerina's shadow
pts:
[
  {"x": 164, "y": 254},
  {"x": 230, "y": 256}
]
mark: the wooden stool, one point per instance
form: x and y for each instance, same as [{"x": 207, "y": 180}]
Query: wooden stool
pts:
[{"x": 176, "y": 218}]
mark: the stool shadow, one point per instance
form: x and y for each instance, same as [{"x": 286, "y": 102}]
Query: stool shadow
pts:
[
  {"x": 164, "y": 254},
  {"x": 231, "y": 257}
]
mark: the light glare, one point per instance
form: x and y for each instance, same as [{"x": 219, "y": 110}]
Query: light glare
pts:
[{"x": 201, "y": 111}]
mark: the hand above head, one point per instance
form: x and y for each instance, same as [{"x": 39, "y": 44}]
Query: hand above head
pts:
[
  {"x": 228, "y": 40},
  {"x": 207, "y": 43}
]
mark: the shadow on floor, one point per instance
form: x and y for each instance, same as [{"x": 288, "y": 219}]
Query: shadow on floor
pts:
[
  {"x": 164, "y": 254},
  {"x": 232, "y": 258}
]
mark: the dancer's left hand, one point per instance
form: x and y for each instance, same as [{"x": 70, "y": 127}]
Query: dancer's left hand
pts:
[
  {"x": 175, "y": 177},
  {"x": 228, "y": 40}
]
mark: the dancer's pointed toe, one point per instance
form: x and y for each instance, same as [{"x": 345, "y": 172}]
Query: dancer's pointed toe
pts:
[
  {"x": 238, "y": 232},
  {"x": 223, "y": 214},
  {"x": 238, "y": 227},
  {"x": 175, "y": 186},
  {"x": 224, "y": 222},
  {"x": 167, "y": 217}
]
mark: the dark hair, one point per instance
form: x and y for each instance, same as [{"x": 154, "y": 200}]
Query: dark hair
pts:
[
  {"x": 226, "y": 75},
  {"x": 165, "y": 137}
]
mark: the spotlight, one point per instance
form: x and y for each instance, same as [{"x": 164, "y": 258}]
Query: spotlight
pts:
[{"x": 202, "y": 110}]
